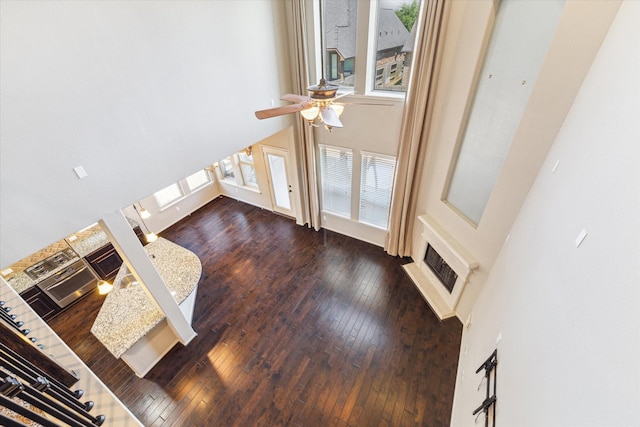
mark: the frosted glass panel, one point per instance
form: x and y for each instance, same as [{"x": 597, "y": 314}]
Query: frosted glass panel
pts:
[
  {"x": 279, "y": 179},
  {"x": 521, "y": 36}
]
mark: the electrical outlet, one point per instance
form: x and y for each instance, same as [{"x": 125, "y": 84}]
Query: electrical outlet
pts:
[
  {"x": 499, "y": 338},
  {"x": 469, "y": 321},
  {"x": 80, "y": 172},
  {"x": 178, "y": 208}
]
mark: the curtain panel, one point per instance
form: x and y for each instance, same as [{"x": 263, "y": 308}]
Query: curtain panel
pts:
[
  {"x": 303, "y": 134},
  {"x": 416, "y": 122}
]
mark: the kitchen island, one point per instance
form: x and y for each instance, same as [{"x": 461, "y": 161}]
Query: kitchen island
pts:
[{"x": 130, "y": 325}]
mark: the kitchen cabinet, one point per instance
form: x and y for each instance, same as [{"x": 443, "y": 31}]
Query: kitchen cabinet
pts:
[
  {"x": 106, "y": 261},
  {"x": 40, "y": 303}
]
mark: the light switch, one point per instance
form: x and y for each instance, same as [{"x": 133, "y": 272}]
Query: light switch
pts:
[{"x": 80, "y": 172}]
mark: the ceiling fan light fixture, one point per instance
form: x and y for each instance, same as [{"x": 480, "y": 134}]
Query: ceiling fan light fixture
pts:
[
  {"x": 338, "y": 108},
  {"x": 310, "y": 114},
  {"x": 322, "y": 90}
]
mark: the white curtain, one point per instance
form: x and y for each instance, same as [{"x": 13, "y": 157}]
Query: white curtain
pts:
[
  {"x": 303, "y": 134},
  {"x": 416, "y": 122}
]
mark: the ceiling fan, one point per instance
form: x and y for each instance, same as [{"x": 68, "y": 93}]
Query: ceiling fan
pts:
[{"x": 319, "y": 104}]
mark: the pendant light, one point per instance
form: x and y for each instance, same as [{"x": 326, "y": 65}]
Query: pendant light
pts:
[{"x": 149, "y": 236}]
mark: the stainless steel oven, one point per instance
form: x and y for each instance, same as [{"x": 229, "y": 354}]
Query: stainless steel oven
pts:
[{"x": 69, "y": 284}]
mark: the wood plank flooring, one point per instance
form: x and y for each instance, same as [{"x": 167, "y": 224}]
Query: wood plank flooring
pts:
[{"x": 295, "y": 328}]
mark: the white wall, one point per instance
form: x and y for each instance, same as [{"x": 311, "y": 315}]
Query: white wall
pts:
[
  {"x": 140, "y": 93},
  {"x": 570, "y": 316}
]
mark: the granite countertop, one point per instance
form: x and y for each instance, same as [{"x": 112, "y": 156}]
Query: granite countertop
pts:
[
  {"x": 21, "y": 282},
  {"x": 85, "y": 242},
  {"x": 94, "y": 239},
  {"x": 128, "y": 314}
]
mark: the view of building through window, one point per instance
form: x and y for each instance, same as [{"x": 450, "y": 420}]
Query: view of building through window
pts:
[{"x": 393, "y": 32}]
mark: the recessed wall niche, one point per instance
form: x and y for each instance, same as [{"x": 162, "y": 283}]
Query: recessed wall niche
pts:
[{"x": 521, "y": 35}]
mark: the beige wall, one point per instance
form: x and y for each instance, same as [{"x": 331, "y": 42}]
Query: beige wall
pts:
[{"x": 580, "y": 32}]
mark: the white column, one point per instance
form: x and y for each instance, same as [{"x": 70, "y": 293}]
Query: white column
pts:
[{"x": 123, "y": 238}]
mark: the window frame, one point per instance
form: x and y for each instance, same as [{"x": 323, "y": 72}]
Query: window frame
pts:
[
  {"x": 385, "y": 158},
  {"x": 366, "y": 47},
  {"x": 323, "y": 200}
]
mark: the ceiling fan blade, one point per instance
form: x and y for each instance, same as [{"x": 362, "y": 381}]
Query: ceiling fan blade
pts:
[
  {"x": 281, "y": 111},
  {"x": 344, "y": 94},
  {"x": 330, "y": 117},
  {"x": 298, "y": 99}
]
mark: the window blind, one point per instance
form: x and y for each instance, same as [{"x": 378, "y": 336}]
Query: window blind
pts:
[
  {"x": 335, "y": 172},
  {"x": 376, "y": 185}
]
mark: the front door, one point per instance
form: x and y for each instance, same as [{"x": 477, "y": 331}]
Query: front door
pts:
[{"x": 279, "y": 180}]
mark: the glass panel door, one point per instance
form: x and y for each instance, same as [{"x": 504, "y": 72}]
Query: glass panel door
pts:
[{"x": 279, "y": 180}]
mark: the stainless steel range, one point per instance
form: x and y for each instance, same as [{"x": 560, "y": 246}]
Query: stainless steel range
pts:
[{"x": 63, "y": 277}]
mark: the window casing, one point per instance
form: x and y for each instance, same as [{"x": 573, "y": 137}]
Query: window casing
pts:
[{"x": 368, "y": 45}]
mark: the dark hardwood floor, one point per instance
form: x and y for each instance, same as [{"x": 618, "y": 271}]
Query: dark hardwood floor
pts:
[{"x": 295, "y": 328}]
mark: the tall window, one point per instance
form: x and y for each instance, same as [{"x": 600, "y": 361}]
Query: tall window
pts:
[
  {"x": 336, "y": 182},
  {"x": 248, "y": 171},
  {"x": 168, "y": 195},
  {"x": 198, "y": 179},
  {"x": 340, "y": 27},
  {"x": 226, "y": 168},
  {"x": 238, "y": 169},
  {"x": 347, "y": 45},
  {"x": 376, "y": 184},
  {"x": 394, "y": 44}
]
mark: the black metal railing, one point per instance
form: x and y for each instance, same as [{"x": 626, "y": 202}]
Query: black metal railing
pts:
[{"x": 33, "y": 393}]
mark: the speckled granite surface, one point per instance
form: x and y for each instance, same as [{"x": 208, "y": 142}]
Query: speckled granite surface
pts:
[
  {"x": 93, "y": 239},
  {"x": 128, "y": 314},
  {"x": 90, "y": 240}
]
